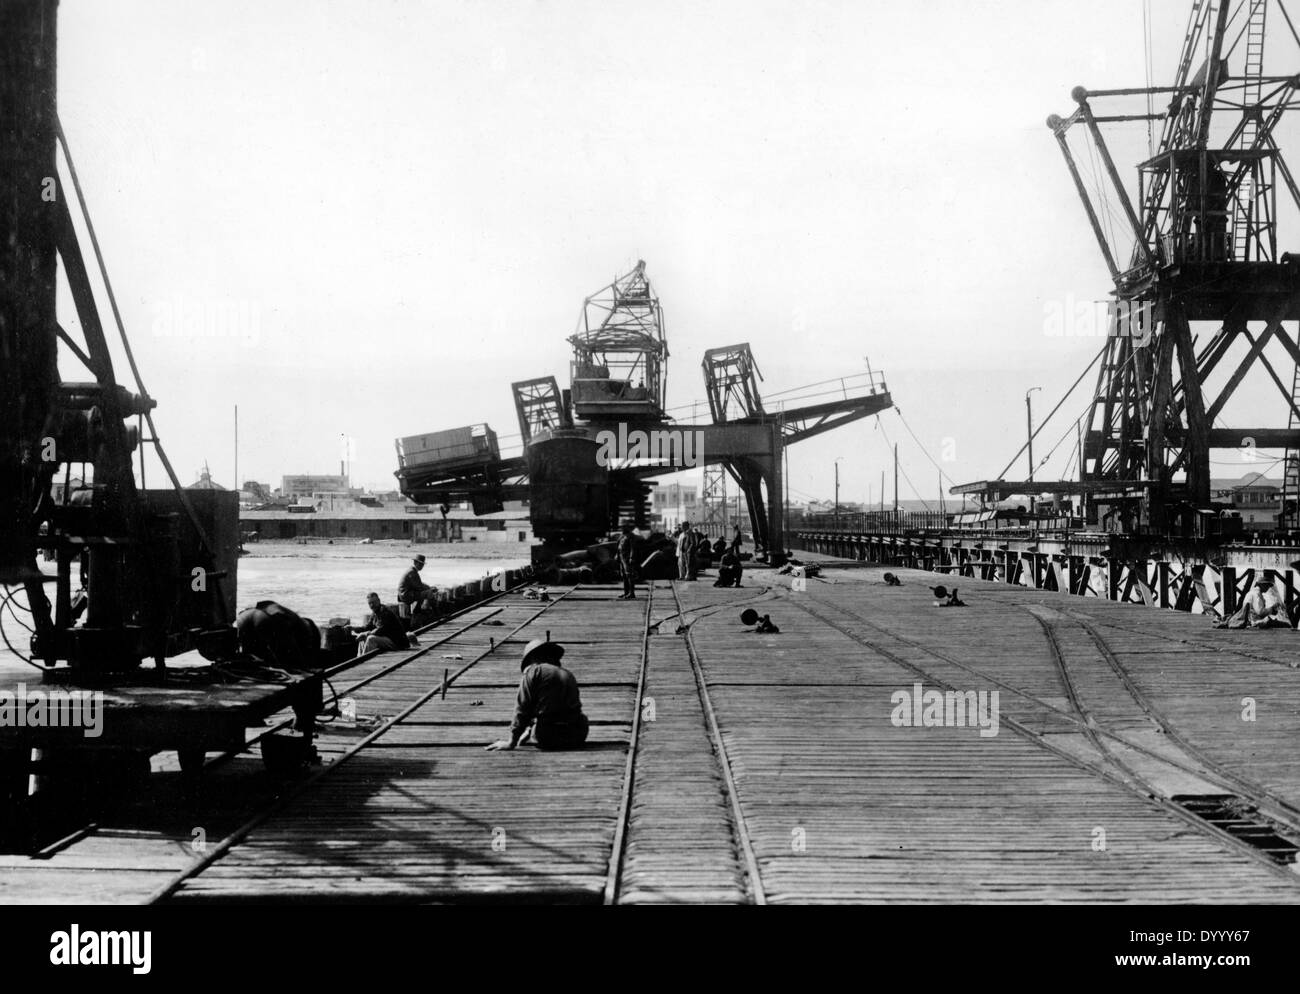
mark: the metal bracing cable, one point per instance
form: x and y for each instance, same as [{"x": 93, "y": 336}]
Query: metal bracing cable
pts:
[
  {"x": 10, "y": 603},
  {"x": 1146, "y": 53},
  {"x": 126, "y": 345},
  {"x": 1287, "y": 17},
  {"x": 925, "y": 453},
  {"x": 1059, "y": 403},
  {"x": 885, "y": 435}
]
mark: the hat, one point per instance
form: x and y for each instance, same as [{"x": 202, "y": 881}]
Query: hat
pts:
[
  {"x": 748, "y": 616},
  {"x": 540, "y": 647},
  {"x": 1263, "y": 582},
  {"x": 940, "y": 591},
  {"x": 419, "y": 560}
]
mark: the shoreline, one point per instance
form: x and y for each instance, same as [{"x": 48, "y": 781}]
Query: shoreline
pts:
[{"x": 386, "y": 550}]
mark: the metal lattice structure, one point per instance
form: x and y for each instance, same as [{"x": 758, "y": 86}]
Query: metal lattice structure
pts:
[
  {"x": 619, "y": 351},
  {"x": 713, "y": 500},
  {"x": 731, "y": 377},
  {"x": 539, "y": 406},
  {"x": 1203, "y": 240}
]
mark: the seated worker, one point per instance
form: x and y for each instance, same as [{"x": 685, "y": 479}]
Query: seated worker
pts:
[
  {"x": 729, "y": 571},
  {"x": 414, "y": 591},
  {"x": 548, "y": 702},
  {"x": 383, "y": 630},
  {"x": 273, "y": 634},
  {"x": 1262, "y": 609}
]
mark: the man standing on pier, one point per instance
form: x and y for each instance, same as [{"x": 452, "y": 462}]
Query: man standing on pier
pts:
[
  {"x": 685, "y": 549},
  {"x": 627, "y": 562},
  {"x": 548, "y": 702}
]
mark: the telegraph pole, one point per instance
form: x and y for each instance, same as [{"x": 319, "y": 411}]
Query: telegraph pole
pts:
[
  {"x": 837, "y": 492},
  {"x": 1029, "y": 419}
]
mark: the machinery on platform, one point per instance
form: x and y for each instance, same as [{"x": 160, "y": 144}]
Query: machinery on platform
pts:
[
  {"x": 591, "y": 450},
  {"x": 157, "y": 567},
  {"x": 137, "y": 574}
]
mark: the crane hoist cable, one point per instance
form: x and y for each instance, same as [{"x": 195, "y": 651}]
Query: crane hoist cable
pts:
[
  {"x": 204, "y": 541},
  {"x": 1059, "y": 403}
]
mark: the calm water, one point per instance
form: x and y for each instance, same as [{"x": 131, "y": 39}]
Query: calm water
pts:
[
  {"x": 333, "y": 584},
  {"x": 323, "y": 582}
]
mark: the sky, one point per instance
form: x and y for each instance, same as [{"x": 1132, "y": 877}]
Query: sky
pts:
[{"x": 366, "y": 219}]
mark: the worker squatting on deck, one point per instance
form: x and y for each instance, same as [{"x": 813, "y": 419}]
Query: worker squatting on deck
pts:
[{"x": 548, "y": 704}]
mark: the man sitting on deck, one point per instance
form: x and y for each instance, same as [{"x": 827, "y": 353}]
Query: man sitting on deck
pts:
[
  {"x": 548, "y": 702},
  {"x": 1262, "y": 609},
  {"x": 729, "y": 571},
  {"x": 382, "y": 631},
  {"x": 414, "y": 591}
]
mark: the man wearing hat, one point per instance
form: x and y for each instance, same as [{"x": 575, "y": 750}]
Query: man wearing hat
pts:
[
  {"x": 548, "y": 702},
  {"x": 685, "y": 550},
  {"x": 1262, "y": 609},
  {"x": 415, "y": 592}
]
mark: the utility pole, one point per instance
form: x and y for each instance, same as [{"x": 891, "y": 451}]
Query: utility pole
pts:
[
  {"x": 837, "y": 492},
  {"x": 1029, "y": 418},
  {"x": 1083, "y": 499},
  {"x": 895, "y": 479}
]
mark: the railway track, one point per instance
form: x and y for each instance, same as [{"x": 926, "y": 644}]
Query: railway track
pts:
[
  {"x": 155, "y": 849},
  {"x": 681, "y": 834},
  {"x": 714, "y": 754},
  {"x": 1117, "y": 756},
  {"x": 215, "y": 852}
]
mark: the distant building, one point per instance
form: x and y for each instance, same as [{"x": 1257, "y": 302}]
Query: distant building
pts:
[
  {"x": 674, "y": 503},
  {"x": 306, "y": 485},
  {"x": 205, "y": 482},
  {"x": 1257, "y": 498}
]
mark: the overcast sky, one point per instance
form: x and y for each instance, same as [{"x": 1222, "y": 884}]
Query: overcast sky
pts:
[{"x": 369, "y": 218}]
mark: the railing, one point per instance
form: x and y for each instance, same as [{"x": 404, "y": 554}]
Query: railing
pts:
[{"x": 873, "y": 522}]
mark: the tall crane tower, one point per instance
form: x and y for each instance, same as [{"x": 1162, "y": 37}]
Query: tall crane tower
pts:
[{"x": 1197, "y": 271}]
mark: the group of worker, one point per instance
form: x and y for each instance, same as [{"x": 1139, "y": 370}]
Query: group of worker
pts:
[
  {"x": 692, "y": 545},
  {"x": 548, "y": 706}
]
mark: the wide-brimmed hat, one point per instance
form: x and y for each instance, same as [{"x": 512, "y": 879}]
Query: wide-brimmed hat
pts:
[
  {"x": 418, "y": 560},
  {"x": 1263, "y": 582},
  {"x": 540, "y": 651}
]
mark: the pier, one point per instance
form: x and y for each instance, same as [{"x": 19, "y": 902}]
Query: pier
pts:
[{"x": 1135, "y": 756}]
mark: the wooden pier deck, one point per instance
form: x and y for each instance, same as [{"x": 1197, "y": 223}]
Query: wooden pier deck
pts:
[{"x": 736, "y": 767}]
